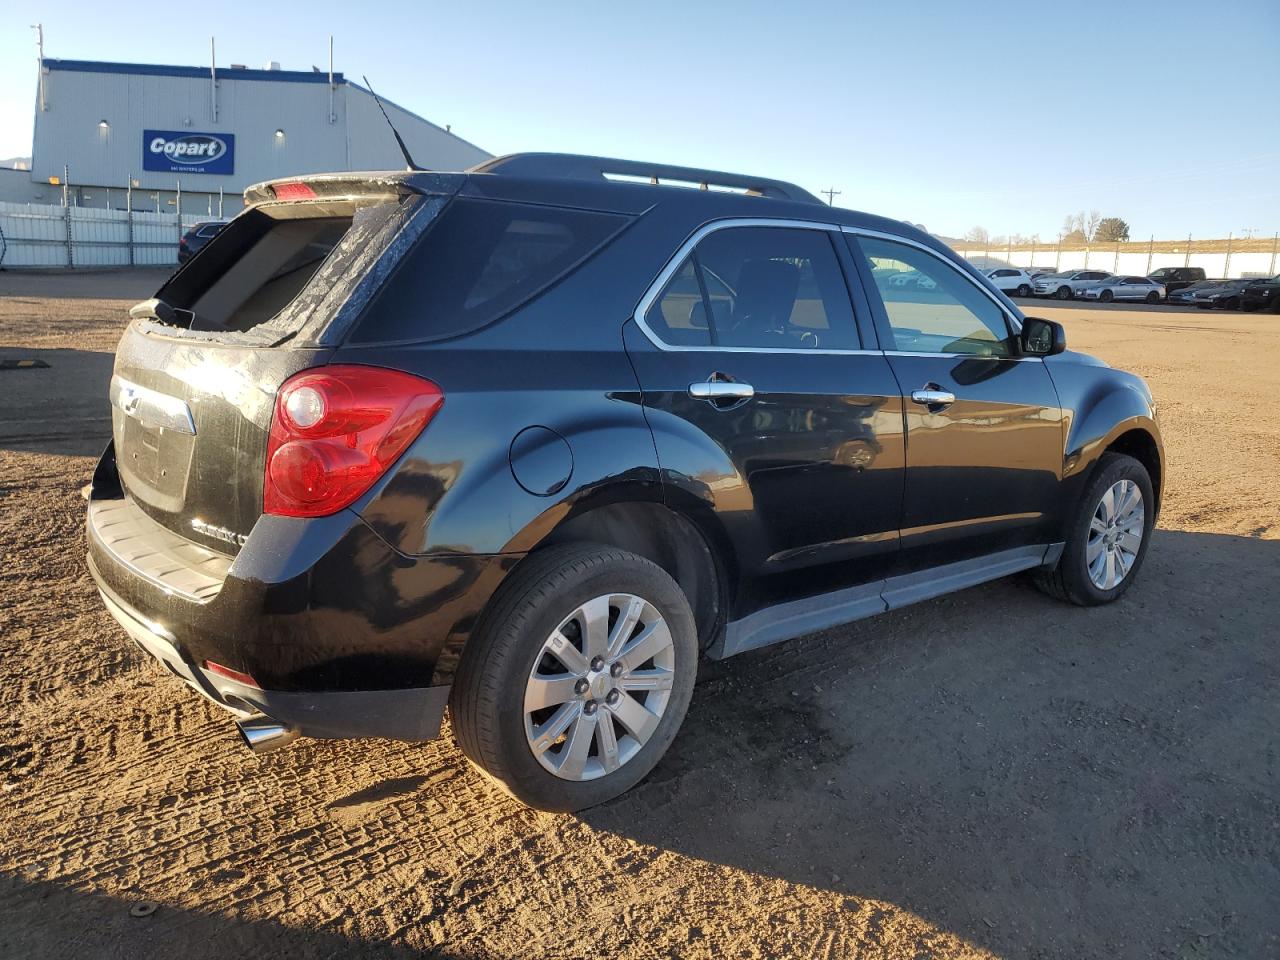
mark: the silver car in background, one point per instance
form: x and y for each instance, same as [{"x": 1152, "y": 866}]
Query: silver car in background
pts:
[
  {"x": 1066, "y": 284},
  {"x": 1123, "y": 288}
]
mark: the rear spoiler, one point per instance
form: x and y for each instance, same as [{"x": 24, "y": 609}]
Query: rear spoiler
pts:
[{"x": 349, "y": 186}]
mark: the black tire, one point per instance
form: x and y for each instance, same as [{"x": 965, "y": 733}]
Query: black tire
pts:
[
  {"x": 1023, "y": 290},
  {"x": 1153, "y": 297},
  {"x": 1232, "y": 303},
  {"x": 1106, "y": 296},
  {"x": 487, "y": 701},
  {"x": 1069, "y": 580},
  {"x": 1064, "y": 293}
]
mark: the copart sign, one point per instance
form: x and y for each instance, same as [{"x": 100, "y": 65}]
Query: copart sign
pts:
[{"x": 181, "y": 151}]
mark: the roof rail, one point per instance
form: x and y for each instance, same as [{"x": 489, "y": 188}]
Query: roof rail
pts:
[{"x": 575, "y": 167}]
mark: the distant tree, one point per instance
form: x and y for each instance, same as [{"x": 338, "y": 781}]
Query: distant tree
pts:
[
  {"x": 978, "y": 235},
  {"x": 1072, "y": 223},
  {"x": 1091, "y": 225},
  {"x": 1074, "y": 236},
  {"x": 1112, "y": 228}
]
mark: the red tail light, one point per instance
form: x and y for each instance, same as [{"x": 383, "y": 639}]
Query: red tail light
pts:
[
  {"x": 336, "y": 430},
  {"x": 293, "y": 191}
]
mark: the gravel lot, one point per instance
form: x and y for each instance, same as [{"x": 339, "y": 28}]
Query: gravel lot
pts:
[{"x": 989, "y": 774}]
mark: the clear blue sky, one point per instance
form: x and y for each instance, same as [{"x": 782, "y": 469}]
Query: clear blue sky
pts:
[{"x": 1007, "y": 115}]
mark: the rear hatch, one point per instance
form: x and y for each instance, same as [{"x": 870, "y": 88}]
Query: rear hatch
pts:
[{"x": 197, "y": 371}]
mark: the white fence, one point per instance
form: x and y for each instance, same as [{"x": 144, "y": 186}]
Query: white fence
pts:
[{"x": 35, "y": 235}]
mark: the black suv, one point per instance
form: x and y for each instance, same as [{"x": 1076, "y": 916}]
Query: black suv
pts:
[
  {"x": 195, "y": 238},
  {"x": 1175, "y": 278},
  {"x": 1261, "y": 295},
  {"x": 529, "y": 440}
]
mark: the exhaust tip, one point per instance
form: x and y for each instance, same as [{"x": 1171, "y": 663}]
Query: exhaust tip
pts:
[{"x": 261, "y": 734}]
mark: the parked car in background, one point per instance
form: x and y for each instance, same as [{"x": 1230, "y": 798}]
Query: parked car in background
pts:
[
  {"x": 1261, "y": 295},
  {"x": 1176, "y": 278},
  {"x": 197, "y": 237},
  {"x": 1038, "y": 272},
  {"x": 1011, "y": 280},
  {"x": 912, "y": 278},
  {"x": 1225, "y": 295},
  {"x": 1186, "y": 296},
  {"x": 1124, "y": 288},
  {"x": 329, "y": 511},
  {"x": 1067, "y": 283}
]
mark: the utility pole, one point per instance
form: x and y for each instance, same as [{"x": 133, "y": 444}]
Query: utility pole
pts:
[
  {"x": 39, "y": 29},
  {"x": 831, "y": 193},
  {"x": 213, "y": 78}
]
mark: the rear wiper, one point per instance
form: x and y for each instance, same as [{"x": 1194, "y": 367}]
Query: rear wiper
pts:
[{"x": 156, "y": 309}]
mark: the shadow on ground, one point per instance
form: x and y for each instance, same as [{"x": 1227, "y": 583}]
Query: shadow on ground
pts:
[
  {"x": 134, "y": 284},
  {"x": 1040, "y": 779},
  {"x": 74, "y": 923},
  {"x": 57, "y": 408}
]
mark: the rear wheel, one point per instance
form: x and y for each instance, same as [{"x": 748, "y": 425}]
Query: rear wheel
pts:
[
  {"x": 1024, "y": 290},
  {"x": 578, "y": 676},
  {"x": 1108, "y": 537},
  {"x": 1064, "y": 293}
]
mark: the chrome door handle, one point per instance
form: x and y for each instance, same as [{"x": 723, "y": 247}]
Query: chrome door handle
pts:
[
  {"x": 933, "y": 398},
  {"x": 721, "y": 390}
]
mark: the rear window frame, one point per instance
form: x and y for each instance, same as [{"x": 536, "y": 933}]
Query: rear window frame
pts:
[
  {"x": 322, "y": 311},
  {"x": 350, "y": 336}
]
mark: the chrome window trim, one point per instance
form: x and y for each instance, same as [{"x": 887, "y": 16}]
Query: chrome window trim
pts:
[
  {"x": 677, "y": 260},
  {"x": 1014, "y": 324},
  {"x": 961, "y": 356}
]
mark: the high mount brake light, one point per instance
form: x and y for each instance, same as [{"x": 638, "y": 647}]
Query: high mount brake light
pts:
[
  {"x": 293, "y": 191},
  {"x": 336, "y": 430}
]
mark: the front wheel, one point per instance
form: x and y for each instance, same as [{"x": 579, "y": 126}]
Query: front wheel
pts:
[
  {"x": 1108, "y": 535},
  {"x": 1064, "y": 293},
  {"x": 1153, "y": 297},
  {"x": 1233, "y": 303},
  {"x": 1024, "y": 290},
  {"x": 1106, "y": 296},
  {"x": 578, "y": 676}
]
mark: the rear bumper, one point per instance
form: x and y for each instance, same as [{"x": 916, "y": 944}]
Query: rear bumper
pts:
[
  {"x": 404, "y": 714},
  {"x": 338, "y": 633}
]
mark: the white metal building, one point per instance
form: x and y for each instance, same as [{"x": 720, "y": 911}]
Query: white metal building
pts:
[{"x": 210, "y": 131}]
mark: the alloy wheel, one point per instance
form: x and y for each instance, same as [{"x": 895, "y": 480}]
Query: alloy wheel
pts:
[
  {"x": 1115, "y": 534},
  {"x": 599, "y": 687}
]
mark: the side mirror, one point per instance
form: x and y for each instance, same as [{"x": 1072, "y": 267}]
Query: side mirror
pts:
[{"x": 1042, "y": 338}]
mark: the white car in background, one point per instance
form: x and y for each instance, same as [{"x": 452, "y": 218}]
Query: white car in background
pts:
[
  {"x": 1012, "y": 280},
  {"x": 1067, "y": 284},
  {"x": 1124, "y": 288}
]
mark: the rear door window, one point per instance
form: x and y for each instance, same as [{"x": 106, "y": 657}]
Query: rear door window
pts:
[
  {"x": 768, "y": 288},
  {"x": 479, "y": 261}
]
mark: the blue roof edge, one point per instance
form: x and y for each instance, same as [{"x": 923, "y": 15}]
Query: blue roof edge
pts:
[{"x": 199, "y": 73}]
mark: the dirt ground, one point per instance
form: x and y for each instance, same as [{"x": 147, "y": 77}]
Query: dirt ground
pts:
[{"x": 989, "y": 774}]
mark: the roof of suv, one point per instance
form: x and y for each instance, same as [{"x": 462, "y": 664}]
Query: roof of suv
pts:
[{"x": 622, "y": 185}]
